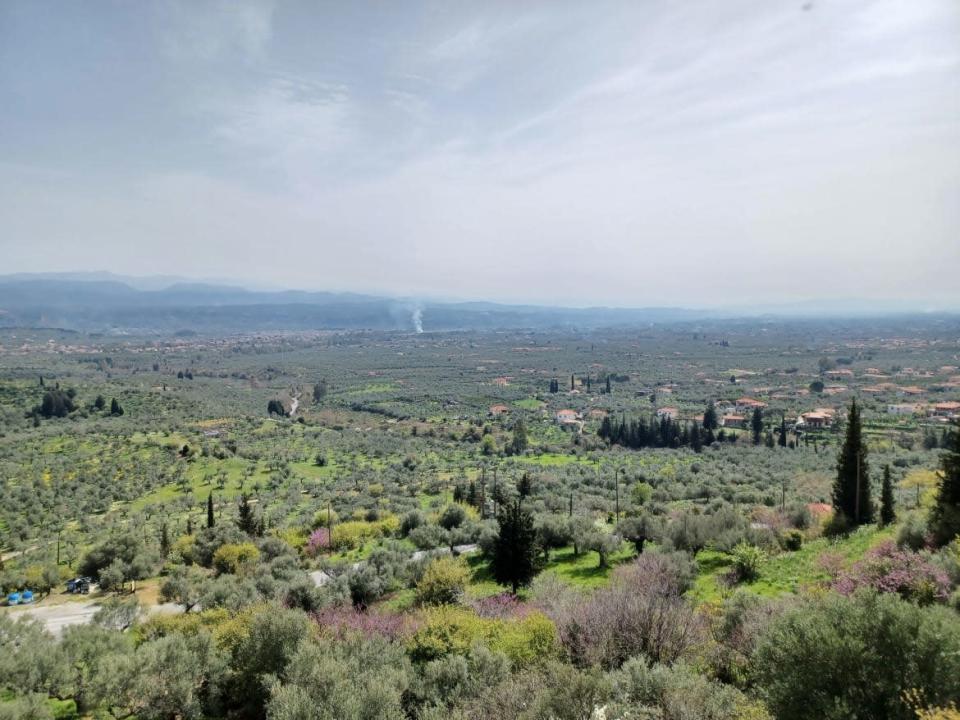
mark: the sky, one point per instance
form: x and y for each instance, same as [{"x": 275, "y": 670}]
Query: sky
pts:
[{"x": 647, "y": 152}]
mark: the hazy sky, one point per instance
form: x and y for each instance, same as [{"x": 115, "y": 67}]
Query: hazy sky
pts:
[{"x": 628, "y": 153}]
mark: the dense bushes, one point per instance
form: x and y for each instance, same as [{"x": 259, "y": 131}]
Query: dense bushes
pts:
[
  {"x": 450, "y": 630},
  {"x": 442, "y": 582},
  {"x": 839, "y": 657},
  {"x": 641, "y": 613}
]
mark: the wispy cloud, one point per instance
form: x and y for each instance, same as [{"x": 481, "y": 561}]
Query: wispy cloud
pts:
[{"x": 213, "y": 29}]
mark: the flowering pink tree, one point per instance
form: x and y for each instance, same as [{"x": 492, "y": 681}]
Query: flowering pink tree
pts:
[
  {"x": 318, "y": 542},
  {"x": 887, "y": 568}
]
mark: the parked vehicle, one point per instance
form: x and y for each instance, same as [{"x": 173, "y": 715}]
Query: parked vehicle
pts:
[
  {"x": 13, "y": 598},
  {"x": 79, "y": 585}
]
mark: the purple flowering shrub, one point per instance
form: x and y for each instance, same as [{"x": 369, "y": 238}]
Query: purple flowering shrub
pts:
[
  {"x": 345, "y": 620},
  {"x": 502, "y": 606},
  {"x": 887, "y": 568},
  {"x": 318, "y": 542}
]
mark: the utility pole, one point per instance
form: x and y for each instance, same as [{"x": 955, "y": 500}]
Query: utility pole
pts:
[
  {"x": 483, "y": 492},
  {"x": 856, "y": 501},
  {"x": 616, "y": 485}
]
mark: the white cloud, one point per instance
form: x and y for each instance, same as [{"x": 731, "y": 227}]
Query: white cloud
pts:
[{"x": 212, "y": 29}]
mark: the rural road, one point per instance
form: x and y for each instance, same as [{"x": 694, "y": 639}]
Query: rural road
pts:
[
  {"x": 57, "y": 617},
  {"x": 321, "y": 578},
  {"x": 62, "y": 615}
]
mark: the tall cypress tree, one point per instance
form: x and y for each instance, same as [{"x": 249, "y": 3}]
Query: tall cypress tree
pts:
[
  {"x": 851, "y": 489},
  {"x": 210, "y": 520},
  {"x": 756, "y": 425},
  {"x": 246, "y": 518},
  {"x": 710, "y": 421},
  {"x": 887, "y": 513},
  {"x": 945, "y": 515},
  {"x": 515, "y": 554},
  {"x": 782, "y": 440}
]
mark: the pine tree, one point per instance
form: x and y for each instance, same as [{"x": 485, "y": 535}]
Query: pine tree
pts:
[
  {"x": 783, "y": 432},
  {"x": 246, "y": 518},
  {"x": 710, "y": 417},
  {"x": 319, "y": 391},
  {"x": 164, "y": 540},
  {"x": 115, "y": 408},
  {"x": 851, "y": 489},
  {"x": 518, "y": 445},
  {"x": 887, "y": 513},
  {"x": 472, "y": 494},
  {"x": 608, "y": 384},
  {"x": 945, "y": 515},
  {"x": 515, "y": 554},
  {"x": 525, "y": 486},
  {"x": 756, "y": 425},
  {"x": 210, "y": 520},
  {"x": 695, "y": 442}
]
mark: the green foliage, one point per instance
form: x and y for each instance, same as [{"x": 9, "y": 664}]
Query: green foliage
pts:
[
  {"x": 452, "y": 630},
  {"x": 747, "y": 560},
  {"x": 514, "y": 560},
  {"x": 945, "y": 515},
  {"x": 443, "y": 581},
  {"x": 887, "y": 512},
  {"x": 851, "y": 490},
  {"x": 235, "y": 559},
  {"x": 839, "y": 657}
]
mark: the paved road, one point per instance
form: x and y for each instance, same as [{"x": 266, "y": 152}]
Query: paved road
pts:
[
  {"x": 58, "y": 617},
  {"x": 321, "y": 578}
]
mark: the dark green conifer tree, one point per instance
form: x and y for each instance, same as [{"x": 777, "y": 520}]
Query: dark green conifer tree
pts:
[
  {"x": 851, "y": 489},
  {"x": 710, "y": 417},
  {"x": 515, "y": 556},
  {"x": 525, "y": 486},
  {"x": 210, "y": 521},
  {"x": 887, "y": 512},
  {"x": 945, "y": 515},
  {"x": 756, "y": 425}
]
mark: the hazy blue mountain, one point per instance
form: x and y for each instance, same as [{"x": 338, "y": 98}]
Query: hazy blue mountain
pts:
[{"x": 108, "y": 303}]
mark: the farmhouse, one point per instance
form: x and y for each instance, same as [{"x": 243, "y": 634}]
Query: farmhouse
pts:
[
  {"x": 902, "y": 409},
  {"x": 945, "y": 409},
  {"x": 745, "y": 404},
  {"x": 497, "y": 410},
  {"x": 566, "y": 417},
  {"x": 733, "y": 421},
  {"x": 671, "y": 413}
]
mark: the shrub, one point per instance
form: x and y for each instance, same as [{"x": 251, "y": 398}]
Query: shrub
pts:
[
  {"x": 888, "y": 569},
  {"x": 452, "y": 517},
  {"x": 913, "y": 533},
  {"x": 411, "y": 521},
  {"x": 642, "y": 612},
  {"x": 318, "y": 542},
  {"x": 428, "y": 537},
  {"x": 443, "y": 581},
  {"x": 235, "y": 558},
  {"x": 747, "y": 560},
  {"x": 451, "y": 630},
  {"x": 837, "y": 657},
  {"x": 678, "y": 692},
  {"x": 792, "y": 540}
]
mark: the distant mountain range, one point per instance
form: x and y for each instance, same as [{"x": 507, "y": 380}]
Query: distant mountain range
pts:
[{"x": 102, "y": 302}]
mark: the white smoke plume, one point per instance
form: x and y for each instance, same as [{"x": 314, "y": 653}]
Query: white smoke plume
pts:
[{"x": 417, "y": 319}]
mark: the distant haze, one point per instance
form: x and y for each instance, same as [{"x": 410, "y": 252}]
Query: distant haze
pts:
[{"x": 629, "y": 154}]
